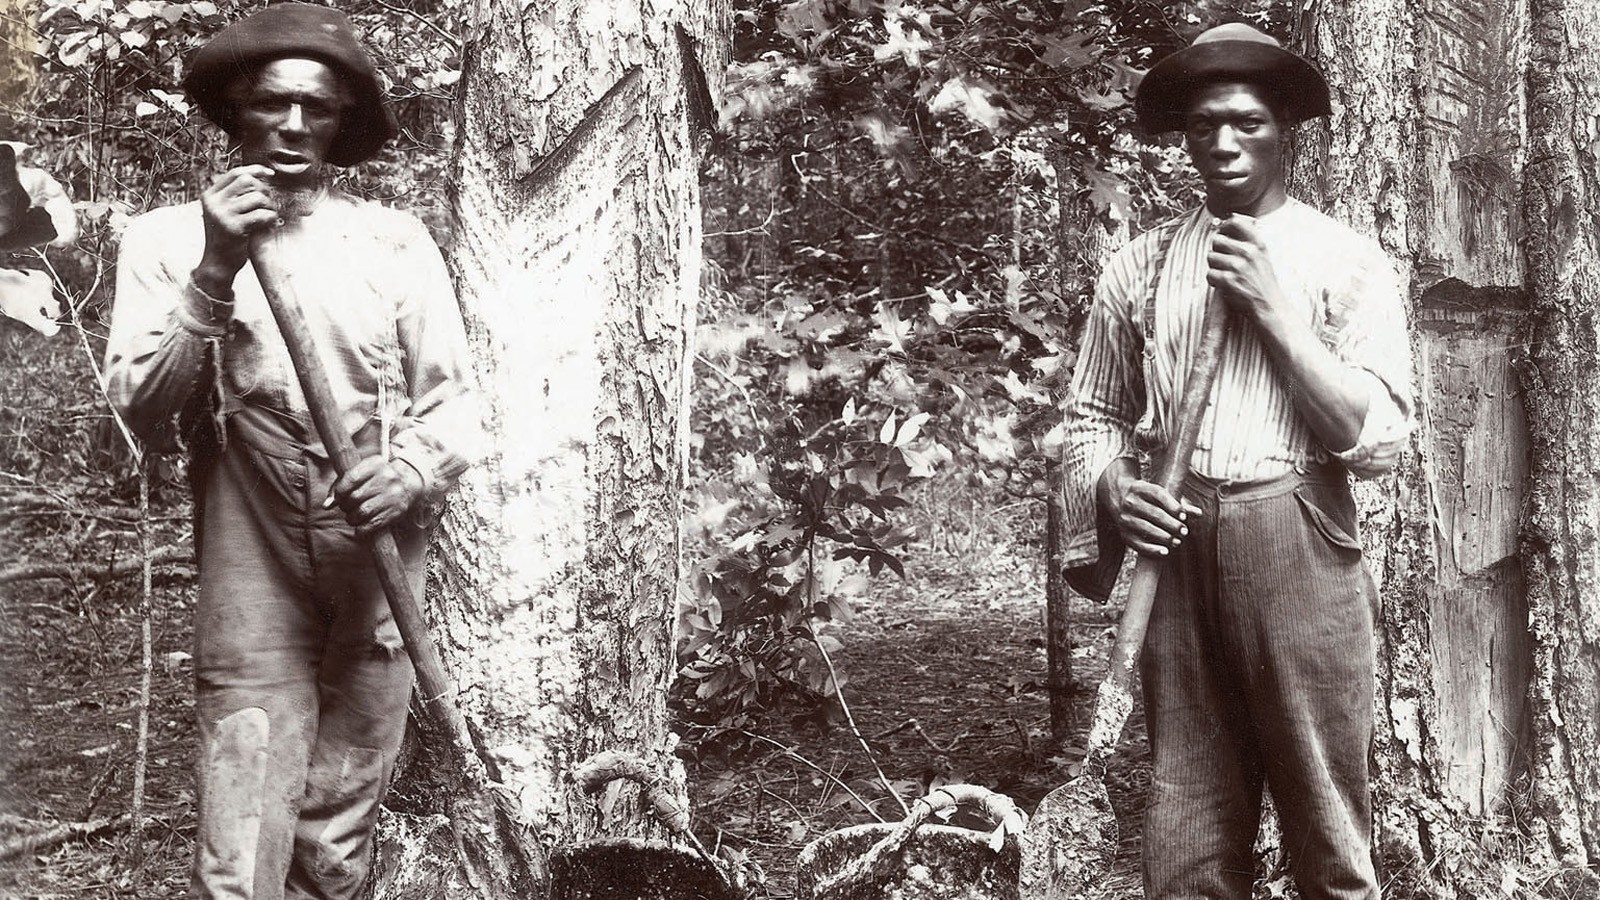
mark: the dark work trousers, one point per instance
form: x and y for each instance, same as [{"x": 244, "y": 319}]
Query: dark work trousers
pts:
[
  {"x": 302, "y": 685},
  {"x": 1258, "y": 668}
]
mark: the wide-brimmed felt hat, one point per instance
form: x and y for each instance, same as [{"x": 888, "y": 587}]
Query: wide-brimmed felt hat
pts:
[
  {"x": 1232, "y": 52},
  {"x": 296, "y": 30}
]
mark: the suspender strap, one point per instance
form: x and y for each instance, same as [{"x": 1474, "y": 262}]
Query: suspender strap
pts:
[
  {"x": 1096, "y": 580},
  {"x": 1168, "y": 232}
]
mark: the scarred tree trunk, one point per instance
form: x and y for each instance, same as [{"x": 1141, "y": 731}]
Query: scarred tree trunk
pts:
[
  {"x": 576, "y": 256},
  {"x": 1449, "y": 116}
]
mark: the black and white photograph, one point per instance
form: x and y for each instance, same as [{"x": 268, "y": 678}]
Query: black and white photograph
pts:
[{"x": 799, "y": 450}]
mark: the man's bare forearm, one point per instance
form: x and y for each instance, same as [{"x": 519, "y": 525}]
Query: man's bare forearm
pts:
[{"x": 1330, "y": 395}]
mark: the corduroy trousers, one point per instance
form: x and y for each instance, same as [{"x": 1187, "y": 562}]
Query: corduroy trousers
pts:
[
  {"x": 1258, "y": 670},
  {"x": 302, "y": 683}
]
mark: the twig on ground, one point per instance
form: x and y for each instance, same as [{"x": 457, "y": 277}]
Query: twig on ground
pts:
[
  {"x": 850, "y": 720},
  {"x": 916, "y": 726},
  {"x": 10, "y": 822},
  {"x": 938, "y": 749},
  {"x": 909, "y": 723},
  {"x": 784, "y": 800},
  {"x": 794, "y": 755},
  {"x": 109, "y": 514},
  {"x": 1022, "y": 732},
  {"x": 51, "y": 503},
  {"x": 165, "y": 556},
  {"x": 33, "y": 842}
]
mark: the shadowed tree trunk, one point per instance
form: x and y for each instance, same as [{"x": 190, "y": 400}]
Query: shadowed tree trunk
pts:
[
  {"x": 1457, "y": 140},
  {"x": 1561, "y": 378},
  {"x": 577, "y": 258},
  {"x": 1084, "y": 242}
]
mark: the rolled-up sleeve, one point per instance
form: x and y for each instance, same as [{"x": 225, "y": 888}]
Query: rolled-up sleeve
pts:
[
  {"x": 1104, "y": 405},
  {"x": 1366, "y": 328},
  {"x": 440, "y": 432}
]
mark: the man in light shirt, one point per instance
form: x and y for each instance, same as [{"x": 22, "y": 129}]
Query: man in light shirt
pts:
[
  {"x": 1258, "y": 667},
  {"x": 302, "y": 683}
]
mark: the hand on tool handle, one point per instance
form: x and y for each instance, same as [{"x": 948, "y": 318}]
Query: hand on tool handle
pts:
[
  {"x": 1239, "y": 269},
  {"x": 438, "y": 694},
  {"x": 238, "y": 203},
  {"x": 1153, "y": 520},
  {"x": 375, "y": 493}
]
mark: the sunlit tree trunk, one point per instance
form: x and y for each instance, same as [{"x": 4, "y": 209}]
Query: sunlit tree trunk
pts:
[
  {"x": 577, "y": 260},
  {"x": 1457, "y": 140}
]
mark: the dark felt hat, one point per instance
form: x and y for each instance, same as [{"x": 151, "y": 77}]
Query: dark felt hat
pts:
[
  {"x": 1232, "y": 52},
  {"x": 296, "y": 30}
]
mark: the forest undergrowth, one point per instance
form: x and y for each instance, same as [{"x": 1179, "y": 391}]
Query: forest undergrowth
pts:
[
  {"x": 943, "y": 670},
  {"x": 945, "y": 674}
]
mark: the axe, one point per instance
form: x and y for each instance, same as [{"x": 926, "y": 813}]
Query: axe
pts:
[{"x": 438, "y": 695}]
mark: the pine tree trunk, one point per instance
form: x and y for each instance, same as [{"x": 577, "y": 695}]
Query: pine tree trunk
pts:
[
  {"x": 1437, "y": 148},
  {"x": 577, "y": 259},
  {"x": 1561, "y": 379}
]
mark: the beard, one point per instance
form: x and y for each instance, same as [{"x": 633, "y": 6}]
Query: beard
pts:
[{"x": 298, "y": 201}]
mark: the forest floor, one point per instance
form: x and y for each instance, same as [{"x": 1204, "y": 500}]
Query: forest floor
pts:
[
  {"x": 945, "y": 674},
  {"x": 946, "y": 679},
  {"x": 944, "y": 671}
]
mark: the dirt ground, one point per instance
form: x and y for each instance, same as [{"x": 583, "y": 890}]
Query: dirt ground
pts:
[
  {"x": 71, "y": 651},
  {"x": 945, "y": 674}
]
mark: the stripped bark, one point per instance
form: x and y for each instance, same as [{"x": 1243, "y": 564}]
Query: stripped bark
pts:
[
  {"x": 1458, "y": 139},
  {"x": 577, "y": 259}
]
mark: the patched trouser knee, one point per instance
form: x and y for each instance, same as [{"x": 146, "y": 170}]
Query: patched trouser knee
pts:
[
  {"x": 233, "y": 800},
  {"x": 302, "y": 684}
]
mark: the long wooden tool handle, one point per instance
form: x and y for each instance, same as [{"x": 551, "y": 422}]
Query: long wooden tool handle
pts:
[
  {"x": 438, "y": 694},
  {"x": 1170, "y": 474}
]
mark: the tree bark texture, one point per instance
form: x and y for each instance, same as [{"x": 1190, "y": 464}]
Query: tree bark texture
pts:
[
  {"x": 1434, "y": 148},
  {"x": 577, "y": 257},
  {"x": 1057, "y": 609},
  {"x": 1561, "y": 215}
]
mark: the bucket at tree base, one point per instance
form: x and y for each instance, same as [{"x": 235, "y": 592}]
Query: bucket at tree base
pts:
[
  {"x": 932, "y": 862},
  {"x": 631, "y": 868},
  {"x": 634, "y": 869}
]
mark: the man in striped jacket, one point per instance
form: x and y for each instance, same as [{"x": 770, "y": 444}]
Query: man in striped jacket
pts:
[{"x": 1258, "y": 665}]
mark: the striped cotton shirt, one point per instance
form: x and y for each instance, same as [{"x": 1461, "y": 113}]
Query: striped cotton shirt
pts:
[{"x": 1125, "y": 390}]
